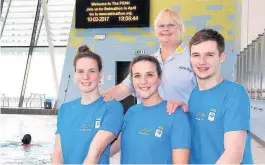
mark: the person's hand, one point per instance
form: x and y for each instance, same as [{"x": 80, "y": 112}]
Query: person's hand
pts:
[
  {"x": 172, "y": 105},
  {"x": 107, "y": 98}
]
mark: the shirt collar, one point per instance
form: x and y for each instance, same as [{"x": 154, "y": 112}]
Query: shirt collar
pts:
[
  {"x": 181, "y": 48},
  {"x": 157, "y": 55}
]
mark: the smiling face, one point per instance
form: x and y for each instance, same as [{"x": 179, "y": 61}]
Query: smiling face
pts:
[
  {"x": 87, "y": 74},
  {"x": 206, "y": 60},
  {"x": 145, "y": 79},
  {"x": 167, "y": 31},
  {"x": 168, "y": 27}
]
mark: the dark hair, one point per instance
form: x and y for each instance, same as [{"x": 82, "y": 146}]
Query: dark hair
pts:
[
  {"x": 149, "y": 59},
  {"x": 83, "y": 51},
  {"x": 208, "y": 35},
  {"x": 26, "y": 139}
]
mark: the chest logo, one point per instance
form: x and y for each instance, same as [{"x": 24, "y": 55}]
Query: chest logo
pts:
[
  {"x": 146, "y": 131},
  {"x": 86, "y": 127},
  {"x": 211, "y": 115},
  {"x": 159, "y": 131},
  {"x": 200, "y": 116},
  {"x": 97, "y": 123}
]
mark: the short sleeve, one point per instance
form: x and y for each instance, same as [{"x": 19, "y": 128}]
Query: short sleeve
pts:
[
  {"x": 236, "y": 111},
  {"x": 113, "y": 118},
  {"x": 180, "y": 136},
  {"x": 59, "y": 118}
]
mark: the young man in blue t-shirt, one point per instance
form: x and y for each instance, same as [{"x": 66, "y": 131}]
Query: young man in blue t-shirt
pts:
[{"x": 219, "y": 109}]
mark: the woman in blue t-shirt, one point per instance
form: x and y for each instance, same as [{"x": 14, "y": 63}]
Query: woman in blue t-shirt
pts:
[
  {"x": 87, "y": 125},
  {"x": 149, "y": 135}
]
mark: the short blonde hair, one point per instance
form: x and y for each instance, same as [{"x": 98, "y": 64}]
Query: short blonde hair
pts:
[{"x": 169, "y": 13}]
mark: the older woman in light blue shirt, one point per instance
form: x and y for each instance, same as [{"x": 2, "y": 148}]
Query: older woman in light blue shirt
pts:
[{"x": 173, "y": 55}]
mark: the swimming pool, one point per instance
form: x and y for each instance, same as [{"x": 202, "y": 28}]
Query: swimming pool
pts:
[{"x": 13, "y": 127}]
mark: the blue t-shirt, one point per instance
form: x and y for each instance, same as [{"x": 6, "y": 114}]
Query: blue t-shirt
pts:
[
  {"x": 149, "y": 134},
  {"x": 214, "y": 112},
  {"x": 77, "y": 125}
]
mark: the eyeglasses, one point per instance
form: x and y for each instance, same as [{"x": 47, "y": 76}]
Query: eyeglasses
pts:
[{"x": 169, "y": 26}]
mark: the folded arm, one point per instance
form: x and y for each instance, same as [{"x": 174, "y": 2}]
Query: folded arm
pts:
[
  {"x": 116, "y": 146},
  {"x": 234, "y": 144},
  {"x": 98, "y": 145},
  {"x": 180, "y": 156}
]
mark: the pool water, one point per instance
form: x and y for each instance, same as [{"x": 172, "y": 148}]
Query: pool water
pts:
[{"x": 13, "y": 127}]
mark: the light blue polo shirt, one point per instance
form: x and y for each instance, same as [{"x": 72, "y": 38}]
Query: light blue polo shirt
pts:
[
  {"x": 149, "y": 134},
  {"x": 178, "y": 79},
  {"x": 78, "y": 124},
  {"x": 214, "y": 112}
]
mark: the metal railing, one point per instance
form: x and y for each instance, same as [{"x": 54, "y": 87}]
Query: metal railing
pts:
[
  {"x": 34, "y": 100},
  {"x": 4, "y": 101},
  {"x": 251, "y": 68}
]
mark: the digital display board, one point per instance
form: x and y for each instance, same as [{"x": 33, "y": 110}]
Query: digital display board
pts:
[{"x": 112, "y": 13}]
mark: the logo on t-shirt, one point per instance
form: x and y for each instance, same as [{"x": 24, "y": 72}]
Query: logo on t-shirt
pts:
[
  {"x": 159, "y": 131},
  {"x": 211, "y": 115},
  {"x": 200, "y": 116},
  {"x": 86, "y": 127},
  {"x": 146, "y": 131},
  {"x": 97, "y": 123}
]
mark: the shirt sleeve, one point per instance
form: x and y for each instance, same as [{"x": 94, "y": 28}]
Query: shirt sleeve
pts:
[
  {"x": 180, "y": 136},
  {"x": 128, "y": 83},
  {"x": 236, "y": 111},
  {"x": 59, "y": 116},
  {"x": 113, "y": 118}
]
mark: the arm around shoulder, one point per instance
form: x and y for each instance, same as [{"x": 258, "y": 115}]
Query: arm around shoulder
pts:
[{"x": 119, "y": 92}]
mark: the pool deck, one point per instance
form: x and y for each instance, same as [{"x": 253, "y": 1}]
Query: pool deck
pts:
[{"x": 42, "y": 129}]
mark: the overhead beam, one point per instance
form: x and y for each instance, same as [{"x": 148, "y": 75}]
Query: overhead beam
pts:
[
  {"x": 31, "y": 47},
  {"x": 51, "y": 46},
  {"x": 4, "y": 19}
]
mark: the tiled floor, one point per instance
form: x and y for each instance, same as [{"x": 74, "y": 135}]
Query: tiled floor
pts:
[
  {"x": 42, "y": 128},
  {"x": 258, "y": 152}
]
